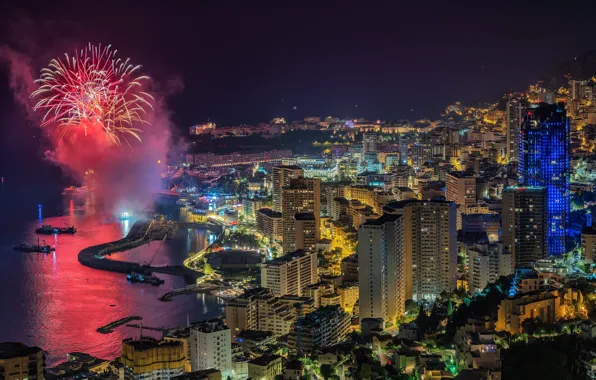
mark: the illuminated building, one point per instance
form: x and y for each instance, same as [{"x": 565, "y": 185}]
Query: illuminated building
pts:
[
  {"x": 258, "y": 309},
  {"x": 547, "y": 306},
  {"x": 280, "y": 178},
  {"x": 302, "y": 195},
  {"x": 323, "y": 327},
  {"x": 201, "y": 129},
  {"x": 381, "y": 268},
  {"x": 588, "y": 244},
  {"x": 270, "y": 224},
  {"x": 461, "y": 189},
  {"x": 289, "y": 274},
  {"x": 401, "y": 176},
  {"x": 265, "y": 367},
  {"x": 20, "y": 362},
  {"x": 349, "y": 294},
  {"x": 403, "y": 193},
  {"x": 544, "y": 161},
  {"x": 370, "y": 141},
  {"x": 524, "y": 224},
  {"x": 430, "y": 247},
  {"x": 211, "y": 346},
  {"x": 250, "y": 207},
  {"x": 486, "y": 263},
  {"x": 148, "y": 358},
  {"x": 514, "y": 113},
  {"x": 236, "y": 158},
  {"x": 421, "y": 153},
  {"x": 349, "y": 268},
  {"x": 305, "y": 227}
]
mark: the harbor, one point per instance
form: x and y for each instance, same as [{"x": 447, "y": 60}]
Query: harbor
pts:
[{"x": 142, "y": 232}]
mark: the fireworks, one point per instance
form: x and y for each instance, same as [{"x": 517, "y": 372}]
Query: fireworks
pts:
[{"x": 93, "y": 88}]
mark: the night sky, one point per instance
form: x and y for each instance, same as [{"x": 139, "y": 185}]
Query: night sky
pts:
[{"x": 247, "y": 62}]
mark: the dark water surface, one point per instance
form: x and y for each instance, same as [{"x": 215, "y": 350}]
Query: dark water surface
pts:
[{"x": 54, "y": 302}]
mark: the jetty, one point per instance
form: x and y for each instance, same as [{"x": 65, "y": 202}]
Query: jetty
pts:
[{"x": 109, "y": 328}]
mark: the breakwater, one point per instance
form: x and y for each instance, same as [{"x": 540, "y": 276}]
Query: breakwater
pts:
[{"x": 142, "y": 232}]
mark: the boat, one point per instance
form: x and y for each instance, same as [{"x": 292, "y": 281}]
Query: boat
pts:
[
  {"x": 48, "y": 229},
  {"x": 151, "y": 280},
  {"x": 24, "y": 247}
]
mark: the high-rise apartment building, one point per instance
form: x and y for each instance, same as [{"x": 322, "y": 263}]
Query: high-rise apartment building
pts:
[
  {"x": 588, "y": 244},
  {"x": 544, "y": 161},
  {"x": 211, "y": 346},
  {"x": 300, "y": 196},
  {"x": 152, "y": 359},
  {"x": 258, "y": 309},
  {"x": 514, "y": 113},
  {"x": 270, "y": 224},
  {"x": 461, "y": 189},
  {"x": 323, "y": 327},
  {"x": 382, "y": 268},
  {"x": 421, "y": 153},
  {"x": 370, "y": 141},
  {"x": 486, "y": 263},
  {"x": 20, "y": 362},
  {"x": 290, "y": 273},
  {"x": 280, "y": 178},
  {"x": 305, "y": 226},
  {"x": 525, "y": 224},
  {"x": 430, "y": 245}
]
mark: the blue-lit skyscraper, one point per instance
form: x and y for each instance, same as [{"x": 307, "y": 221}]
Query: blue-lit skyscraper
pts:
[{"x": 544, "y": 161}]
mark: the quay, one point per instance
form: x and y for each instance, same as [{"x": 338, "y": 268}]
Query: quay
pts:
[
  {"x": 112, "y": 325},
  {"x": 142, "y": 232}
]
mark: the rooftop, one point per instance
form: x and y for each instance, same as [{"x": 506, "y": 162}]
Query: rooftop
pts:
[
  {"x": 287, "y": 258},
  {"x": 210, "y": 325},
  {"x": 10, "y": 350},
  {"x": 147, "y": 343},
  {"x": 305, "y": 216},
  {"x": 264, "y": 360},
  {"x": 382, "y": 220},
  {"x": 270, "y": 213}
]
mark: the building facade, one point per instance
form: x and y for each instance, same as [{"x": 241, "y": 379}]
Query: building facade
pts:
[
  {"x": 525, "y": 224},
  {"x": 270, "y": 224},
  {"x": 19, "y": 362},
  {"x": 211, "y": 346},
  {"x": 430, "y": 245},
  {"x": 303, "y": 195},
  {"x": 280, "y": 178},
  {"x": 514, "y": 118},
  {"x": 290, "y": 273},
  {"x": 323, "y": 327},
  {"x": 382, "y": 268},
  {"x": 544, "y": 161},
  {"x": 150, "y": 359}
]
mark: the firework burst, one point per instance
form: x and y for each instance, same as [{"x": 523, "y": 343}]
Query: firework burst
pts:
[{"x": 93, "y": 88}]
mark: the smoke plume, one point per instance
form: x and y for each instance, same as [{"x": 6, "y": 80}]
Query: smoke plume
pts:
[{"x": 122, "y": 177}]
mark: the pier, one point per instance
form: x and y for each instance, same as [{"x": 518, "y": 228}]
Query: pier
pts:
[
  {"x": 142, "y": 232},
  {"x": 109, "y": 328}
]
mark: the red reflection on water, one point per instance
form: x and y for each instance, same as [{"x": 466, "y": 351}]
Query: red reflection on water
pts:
[{"x": 66, "y": 302}]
